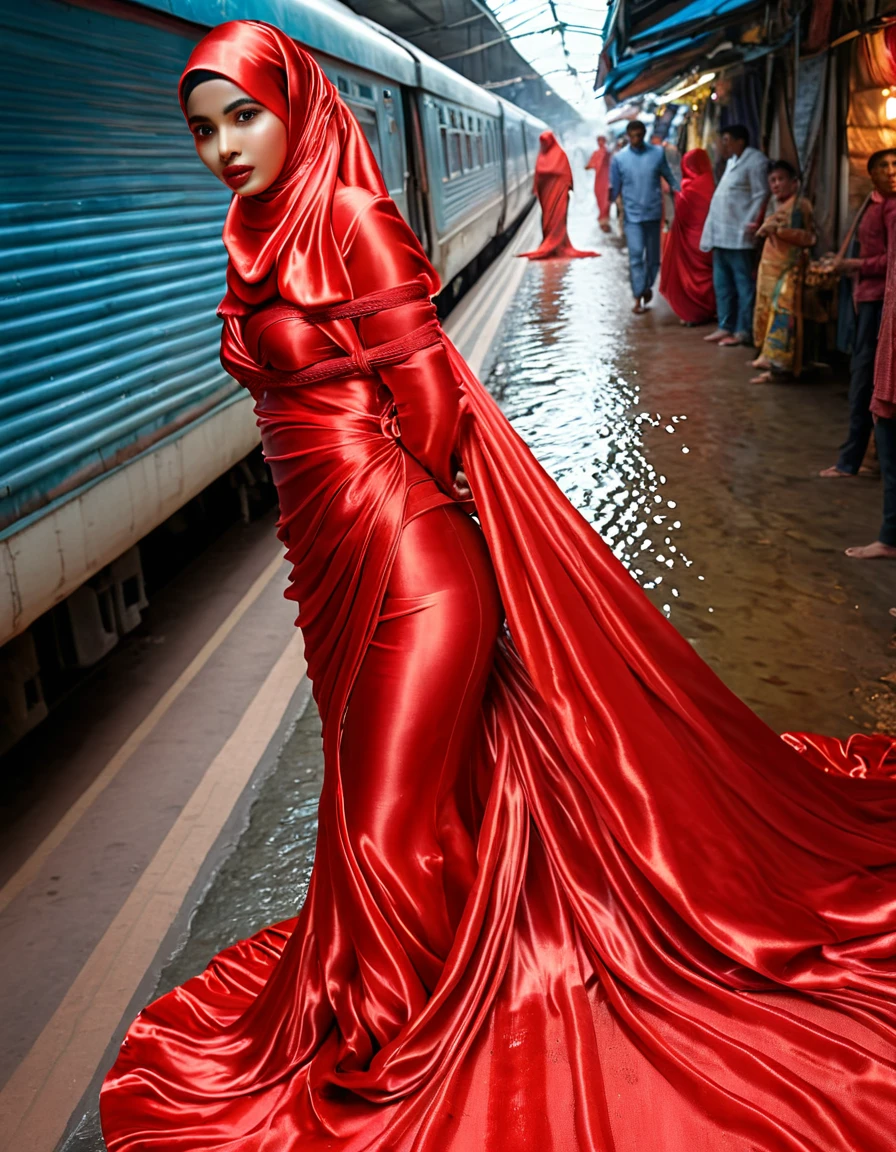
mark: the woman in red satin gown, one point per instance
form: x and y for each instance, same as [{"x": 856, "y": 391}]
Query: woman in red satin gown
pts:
[
  {"x": 552, "y": 186},
  {"x": 600, "y": 165},
  {"x": 569, "y": 892},
  {"x": 686, "y": 273}
]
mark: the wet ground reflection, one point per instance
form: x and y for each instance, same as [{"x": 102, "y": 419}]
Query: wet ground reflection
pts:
[{"x": 704, "y": 487}]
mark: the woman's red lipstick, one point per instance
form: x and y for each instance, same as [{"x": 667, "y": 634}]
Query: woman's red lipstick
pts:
[{"x": 236, "y": 175}]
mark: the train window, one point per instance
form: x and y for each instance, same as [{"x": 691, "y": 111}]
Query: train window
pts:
[
  {"x": 525, "y": 149},
  {"x": 366, "y": 117},
  {"x": 342, "y": 84},
  {"x": 365, "y": 91},
  {"x": 451, "y": 153},
  {"x": 468, "y": 141},
  {"x": 452, "y": 117},
  {"x": 457, "y": 165},
  {"x": 480, "y": 151}
]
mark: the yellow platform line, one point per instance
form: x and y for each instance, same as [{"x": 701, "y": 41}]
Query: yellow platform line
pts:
[
  {"x": 30, "y": 869},
  {"x": 37, "y": 1102}
]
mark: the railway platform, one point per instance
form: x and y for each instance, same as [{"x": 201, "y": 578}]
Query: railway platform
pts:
[{"x": 168, "y": 807}]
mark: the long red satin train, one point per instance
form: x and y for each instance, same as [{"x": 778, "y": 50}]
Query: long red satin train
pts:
[{"x": 569, "y": 893}]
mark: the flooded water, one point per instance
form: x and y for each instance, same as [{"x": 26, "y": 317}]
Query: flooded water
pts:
[{"x": 704, "y": 486}]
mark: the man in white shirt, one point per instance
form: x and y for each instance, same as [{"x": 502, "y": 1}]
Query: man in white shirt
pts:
[{"x": 729, "y": 233}]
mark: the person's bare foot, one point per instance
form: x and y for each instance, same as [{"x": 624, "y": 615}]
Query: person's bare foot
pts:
[
  {"x": 876, "y": 551},
  {"x": 715, "y": 337},
  {"x": 733, "y": 341},
  {"x": 762, "y": 378},
  {"x": 834, "y": 473},
  {"x": 760, "y": 362},
  {"x": 639, "y": 308},
  {"x": 648, "y": 296}
]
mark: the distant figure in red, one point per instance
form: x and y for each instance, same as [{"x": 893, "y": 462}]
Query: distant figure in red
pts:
[
  {"x": 600, "y": 164},
  {"x": 686, "y": 273},
  {"x": 553, "y": 184}
]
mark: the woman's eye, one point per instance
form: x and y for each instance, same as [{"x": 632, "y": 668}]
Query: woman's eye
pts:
[
  {"x": 246, "y": 115},
  {"x": 202, "y": 132}
]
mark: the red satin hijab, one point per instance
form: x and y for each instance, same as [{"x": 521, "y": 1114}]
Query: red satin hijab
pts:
[
  {"x": 281, "y": 242},
  {"x": 696, "y": 174},
  {"x": 552, "y": 160},
  {"x": 686, "y": 278}
]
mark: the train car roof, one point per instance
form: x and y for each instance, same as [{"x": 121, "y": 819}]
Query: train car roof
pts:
[
  {"x": 514, "y": 112},
  {"x": 440, "y": 80},
  {"x": 325, "y": 25}
]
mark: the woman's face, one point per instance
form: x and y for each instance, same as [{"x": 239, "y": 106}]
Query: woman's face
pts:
[
  {"x": 782, "y": 185},
  {"x": 239, "y": 140}
]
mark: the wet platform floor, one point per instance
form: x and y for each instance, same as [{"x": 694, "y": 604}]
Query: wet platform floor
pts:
[{"x": 704, "y": 487}]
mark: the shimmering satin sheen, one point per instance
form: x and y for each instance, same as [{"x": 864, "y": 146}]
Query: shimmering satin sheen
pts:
[
  {"x": 281, "y": 242},
  {"x": 570, "y": 894},
  {"x": 552, "y": 186},
  {"x": 686, "y": 273}
]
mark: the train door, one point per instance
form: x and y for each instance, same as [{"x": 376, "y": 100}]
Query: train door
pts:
[
  {"x": 418, "y": 176},
  {"x": 378, "y": 109}
]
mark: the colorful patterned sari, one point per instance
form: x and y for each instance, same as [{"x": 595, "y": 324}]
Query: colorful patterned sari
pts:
[{"x": 778, "y": 319}]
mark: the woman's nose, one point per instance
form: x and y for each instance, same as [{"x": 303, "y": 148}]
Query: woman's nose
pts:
[{"x": 226, "y": 147}]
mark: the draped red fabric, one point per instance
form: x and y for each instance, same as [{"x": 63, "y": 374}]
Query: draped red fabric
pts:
[
  {"x": 599, "y": 163},
  {"x": 569, "y": 893},
  {"x": 686, "y": 273},
  {"x": 282, "y": 242},
  {"x": 552, "y": 186}
]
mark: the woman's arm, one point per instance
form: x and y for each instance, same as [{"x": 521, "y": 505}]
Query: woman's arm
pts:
[{"x": 382, "y": 252}]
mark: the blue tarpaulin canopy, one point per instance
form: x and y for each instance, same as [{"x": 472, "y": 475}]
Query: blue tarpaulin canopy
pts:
[
  {"x": 705, "y": 14},
  {"x": 627, "y": 71}
]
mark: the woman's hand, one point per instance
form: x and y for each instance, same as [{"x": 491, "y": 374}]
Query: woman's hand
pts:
[
  {"x": 462, "y": 490},
  {"x": 846, "y": 267}
]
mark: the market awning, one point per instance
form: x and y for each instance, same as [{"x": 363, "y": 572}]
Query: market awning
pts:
[
  {"x": 700, "y": 16},
  {"x": 652, "y": 66}
]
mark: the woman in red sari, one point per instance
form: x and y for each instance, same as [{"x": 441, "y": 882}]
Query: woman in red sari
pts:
[
  {"x": 600, "y": 165},
  {"x": 686, "y": 273},
  {"x": 569, "y": 892},
  {"x": 553, "y": 184}
]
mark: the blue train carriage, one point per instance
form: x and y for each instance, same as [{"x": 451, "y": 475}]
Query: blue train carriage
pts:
[{"x": 115, "y": 410}]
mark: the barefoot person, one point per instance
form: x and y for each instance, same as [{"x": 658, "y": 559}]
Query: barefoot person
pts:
[
  {"x": 789, "y": 232},
  {"x": 636, "y": 174},
  {"x": 869, "y": 268},
  {"x": 734, "y": 216},
  {"x": 883, "y": 403}
]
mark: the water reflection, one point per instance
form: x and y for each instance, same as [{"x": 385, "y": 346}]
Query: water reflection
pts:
[{"x": 560, "y": 380}]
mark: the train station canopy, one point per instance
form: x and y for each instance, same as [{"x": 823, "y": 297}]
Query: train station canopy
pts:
[{"x": 467, "y": 36}]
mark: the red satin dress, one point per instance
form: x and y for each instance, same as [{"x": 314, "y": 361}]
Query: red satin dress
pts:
[
  {"x": 552, "y": 186},
  {"x": 570, "y": 894},
  {"x": 600, "y": 164},
  {"x": 686, "y": 272}
]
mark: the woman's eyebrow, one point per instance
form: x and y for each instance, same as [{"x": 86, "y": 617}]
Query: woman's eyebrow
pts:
[
  {"x": 237, "y": 103},
  {"x": 230, "y": 107}
]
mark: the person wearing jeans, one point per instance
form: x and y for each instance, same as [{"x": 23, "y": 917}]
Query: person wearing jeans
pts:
[
  {"x": 870, "y": 270},
  {"x": 733, "y": 278},
  {"x": 636, "y": 174},
  {"x": 729, "y": 233}
]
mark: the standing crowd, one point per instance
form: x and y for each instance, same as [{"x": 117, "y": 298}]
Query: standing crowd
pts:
[{"x": 708, "y": 269}]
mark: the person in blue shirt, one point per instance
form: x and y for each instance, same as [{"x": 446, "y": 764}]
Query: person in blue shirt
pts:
[{"x": 635, "y": 175}]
